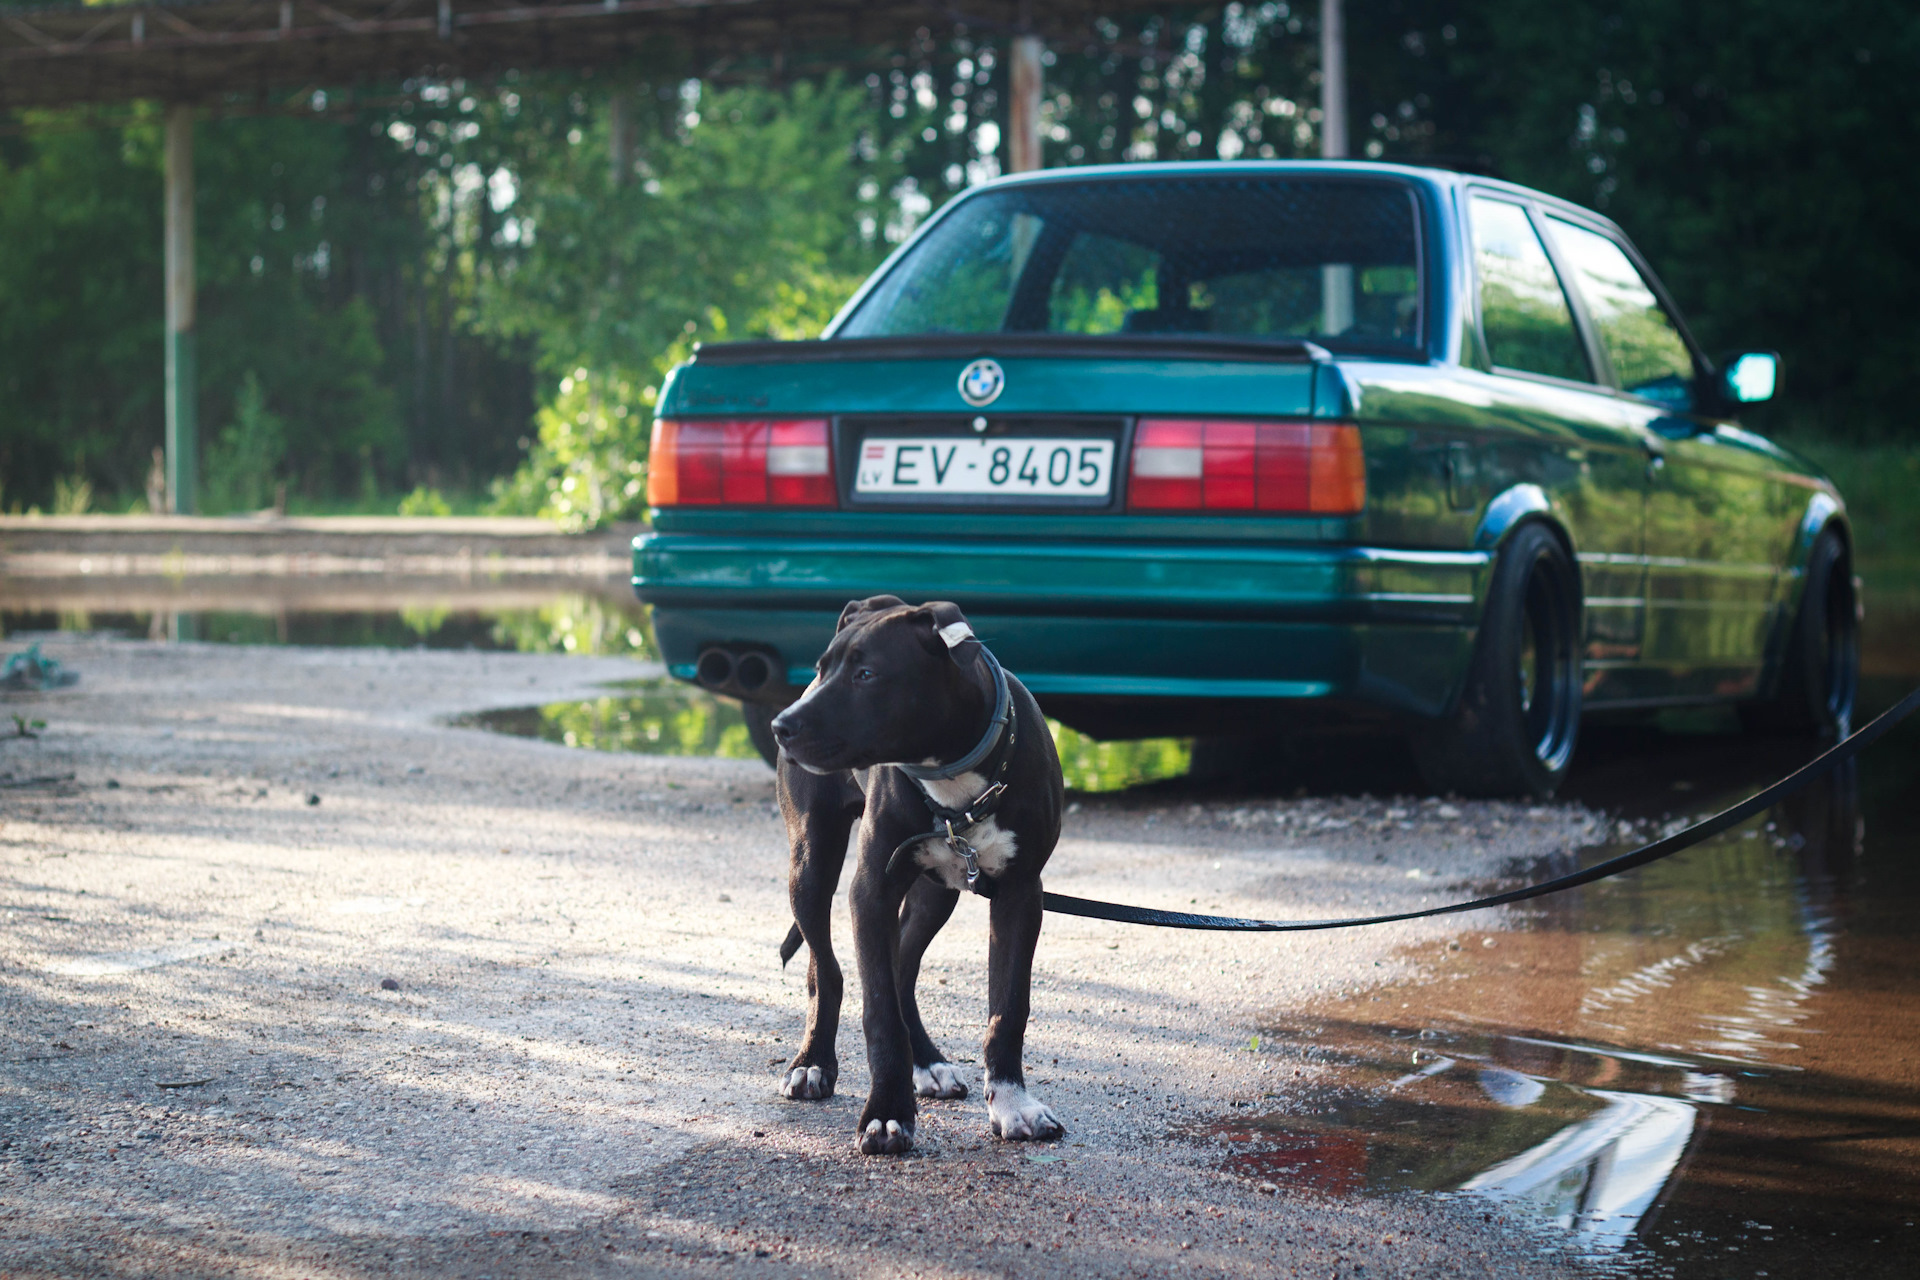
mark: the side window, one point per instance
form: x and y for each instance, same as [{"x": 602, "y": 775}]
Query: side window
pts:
[
  {"x": 1523, "y": 310},
  {"x": 961, "y": 280},
  {"x": 1638, "y": 335}
]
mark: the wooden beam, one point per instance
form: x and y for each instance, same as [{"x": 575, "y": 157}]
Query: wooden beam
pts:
[{"x": 1023, "y": 114}]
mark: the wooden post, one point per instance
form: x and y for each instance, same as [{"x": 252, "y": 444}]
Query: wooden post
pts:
[
  {"x": 1023, "y": 115},
  {"x": 182, "y": 383}
]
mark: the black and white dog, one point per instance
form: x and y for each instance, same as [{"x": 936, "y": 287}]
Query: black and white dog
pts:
[{"x": 912, "y": 730}]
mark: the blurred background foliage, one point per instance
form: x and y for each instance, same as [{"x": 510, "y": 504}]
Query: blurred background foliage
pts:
[{"x": 458, "y": 296}]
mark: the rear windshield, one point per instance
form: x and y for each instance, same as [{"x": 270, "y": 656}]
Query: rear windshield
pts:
[{"x": 1333, "y": 260}]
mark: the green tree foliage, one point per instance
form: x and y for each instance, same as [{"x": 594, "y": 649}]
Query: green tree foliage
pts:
[
  {"x": 1758, "y": 153},
  {"x": 80, "y": 322},
  {"x": 320, "y": 254},
  {"x": 246, "y": 460},
  {"x": 748, "y": 212},
  {"x": 418, "y": 288},
  {"x": 588, "y": 461}
]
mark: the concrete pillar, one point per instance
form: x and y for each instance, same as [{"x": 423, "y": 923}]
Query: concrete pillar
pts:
[
  {"x": 620, "y": 137},
  {"x": 1333, "y": 81},
  {"x": 1023, "y": 115},
  {"x": 182, "y": 383},
  {"x": 1336, "y": 278}
]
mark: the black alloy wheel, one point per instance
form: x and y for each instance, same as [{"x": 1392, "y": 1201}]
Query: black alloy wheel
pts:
[
  {"x": 1820, "y": 669},
  {"x": 1514, "y": 729}
]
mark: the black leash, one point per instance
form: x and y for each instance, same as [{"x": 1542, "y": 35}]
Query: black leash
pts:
[{"x": 1815, "y": 769}]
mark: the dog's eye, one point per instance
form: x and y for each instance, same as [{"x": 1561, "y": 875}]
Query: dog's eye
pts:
[{"x": 863, "y": 675}]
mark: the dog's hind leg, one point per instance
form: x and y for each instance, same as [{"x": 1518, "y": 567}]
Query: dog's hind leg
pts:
[
  {"x": 1014, "y": 1113},
  {"x": 927, "y": 907},
  {"x": 820, "y": 813}
]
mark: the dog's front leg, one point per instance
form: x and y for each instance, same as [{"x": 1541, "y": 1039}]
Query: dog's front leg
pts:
[
  {"x": 820, "y": 813},
  {"x": 887, "y": 1121},
  {"x": 1014, "y": 1113},
  {"x": 928, "y": 906}
]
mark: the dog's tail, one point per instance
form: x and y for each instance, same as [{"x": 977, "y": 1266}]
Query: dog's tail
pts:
[{"x": 792, "y": 944}]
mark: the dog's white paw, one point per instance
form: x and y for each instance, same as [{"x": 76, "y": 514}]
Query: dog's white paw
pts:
[
  {"x": 890, "y": 1139},
  {"x": 807, "y": 1083},
  {"x": 1018, "y": 1116},
  {"x": 941, "y": 1080}
]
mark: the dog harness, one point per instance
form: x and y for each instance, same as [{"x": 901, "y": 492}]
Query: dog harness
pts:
[{"x": 993, "y": 755}]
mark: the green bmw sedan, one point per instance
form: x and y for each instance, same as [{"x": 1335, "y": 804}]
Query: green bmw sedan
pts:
[{"x": 1264, "y": 447}]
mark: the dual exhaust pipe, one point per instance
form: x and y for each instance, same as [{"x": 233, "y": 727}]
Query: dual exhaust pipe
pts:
[{"x": 753, "y": 674}]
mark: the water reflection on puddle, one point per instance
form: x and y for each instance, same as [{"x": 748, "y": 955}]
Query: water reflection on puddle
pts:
[
  {"x": 1705, "y": 1068},
  {"x": 661, "y": 718},
  {"x": 1577, "y": 1135},
  {"x": 671, "y": 718},
  {"x": 522, "y": 620}
]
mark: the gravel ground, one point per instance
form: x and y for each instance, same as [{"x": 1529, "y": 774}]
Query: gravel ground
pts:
[{"x": 299, "y": 980}]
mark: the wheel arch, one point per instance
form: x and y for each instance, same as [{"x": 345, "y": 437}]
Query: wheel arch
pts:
[
  {"x": 1824, "y": 511},
  {"x": 1514, "y": 508},
  {"x": 1497, "y": 736}
]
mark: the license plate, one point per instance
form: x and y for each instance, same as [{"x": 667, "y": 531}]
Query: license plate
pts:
[{"x": 1017, "y": 466}]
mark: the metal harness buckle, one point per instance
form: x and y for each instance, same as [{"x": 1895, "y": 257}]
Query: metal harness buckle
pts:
[
  {"x": 966, "y": 851},
  {"x": 991, "y": 793}
]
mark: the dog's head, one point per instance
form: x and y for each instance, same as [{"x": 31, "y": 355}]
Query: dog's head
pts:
[{"x": 898, "y": 685}]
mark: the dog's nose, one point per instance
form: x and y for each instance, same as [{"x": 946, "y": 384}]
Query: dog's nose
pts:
[{"x": 782, "y": 729}]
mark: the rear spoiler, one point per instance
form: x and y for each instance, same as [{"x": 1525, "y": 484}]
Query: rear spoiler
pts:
[{"x": 968, "y": 346}]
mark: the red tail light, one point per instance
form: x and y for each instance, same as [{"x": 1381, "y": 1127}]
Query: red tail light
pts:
[
  {"x": 1187, "y": 464},
  {"x": 748, "y": 462}
]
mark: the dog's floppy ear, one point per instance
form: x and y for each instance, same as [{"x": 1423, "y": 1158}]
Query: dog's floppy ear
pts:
[
  {"x": 859, "y": 608},
  {"x": 951, "y": 631}
]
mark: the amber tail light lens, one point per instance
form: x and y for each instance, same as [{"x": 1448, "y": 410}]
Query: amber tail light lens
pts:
[
  {"x": 741, "y": 462},
  {"x": 1192, "y": 464}
]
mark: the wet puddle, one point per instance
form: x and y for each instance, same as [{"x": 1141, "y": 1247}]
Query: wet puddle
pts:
[
  {"x": 659, "y": 717},
  {"x": 669, "y": 717},
  {"x": 1710, "y": 1067},
  {"x": 499, "y": 620},
  {"x": 652, "y": 717}
]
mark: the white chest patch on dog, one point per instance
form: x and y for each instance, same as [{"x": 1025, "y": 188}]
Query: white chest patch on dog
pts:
[{"x": 993, "y": 848}]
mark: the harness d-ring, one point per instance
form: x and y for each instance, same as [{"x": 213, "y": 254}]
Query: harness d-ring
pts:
[{"x": 967, "y": 853}]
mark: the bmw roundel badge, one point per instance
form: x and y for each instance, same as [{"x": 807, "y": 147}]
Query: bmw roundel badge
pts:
[{"x": 982, "y": 382}]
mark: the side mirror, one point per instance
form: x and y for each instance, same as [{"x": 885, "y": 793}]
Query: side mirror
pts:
[{"x": 1750, "y": 376}]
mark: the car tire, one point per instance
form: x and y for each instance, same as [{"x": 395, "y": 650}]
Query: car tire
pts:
[
  {"x": 1514, "y": 728},
  {"x": 1820, "y": 670},
  {"x": 759, "y": 717}
]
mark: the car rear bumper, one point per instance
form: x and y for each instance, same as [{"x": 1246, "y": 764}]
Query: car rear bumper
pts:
[{"x": 1102, "y": 620}]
